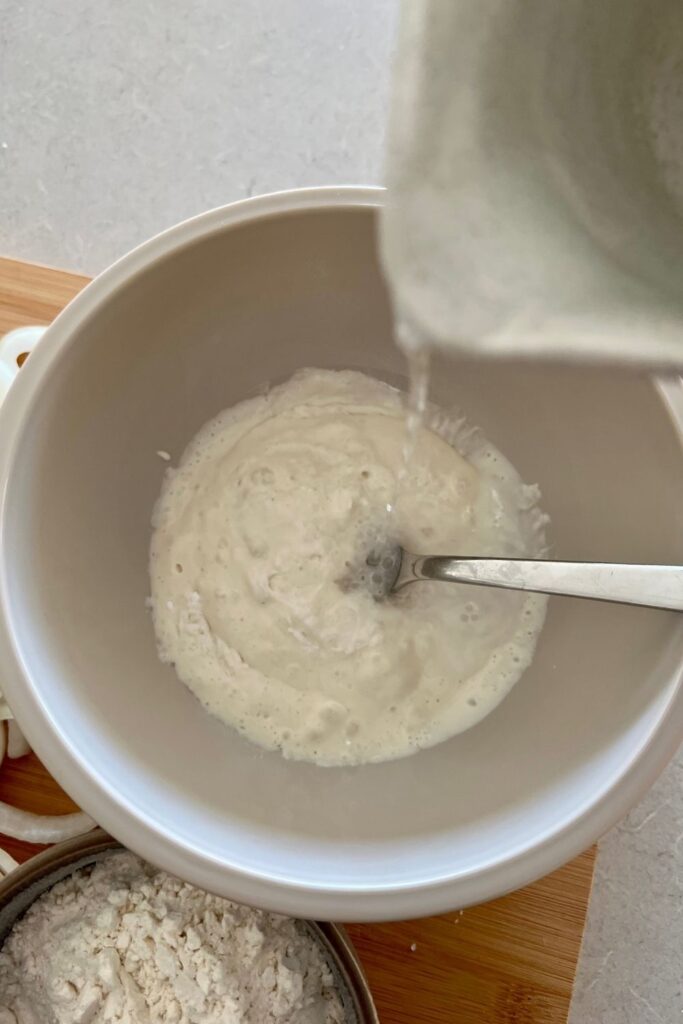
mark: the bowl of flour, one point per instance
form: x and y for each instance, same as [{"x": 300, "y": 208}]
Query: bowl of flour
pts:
[
  {"x": 89, "y": 931},
  {"x": 297, "y": 799}
]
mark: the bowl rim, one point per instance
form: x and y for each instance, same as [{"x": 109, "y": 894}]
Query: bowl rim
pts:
[
  {"x": 73, "y": 851},
  {"x": 60, "y": 753}
]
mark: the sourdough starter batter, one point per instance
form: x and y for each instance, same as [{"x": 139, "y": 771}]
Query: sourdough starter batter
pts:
[{"x": 271, "y": 504}]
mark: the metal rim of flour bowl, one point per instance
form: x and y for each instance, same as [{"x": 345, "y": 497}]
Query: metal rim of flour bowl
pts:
[{"x": 21, "y": 887}]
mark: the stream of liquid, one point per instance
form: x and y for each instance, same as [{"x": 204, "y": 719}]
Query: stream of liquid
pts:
[
  {"x": 418, "y": 395},
  {"x": 417, "y": 354},
  {"x": 418, "y": 359}
]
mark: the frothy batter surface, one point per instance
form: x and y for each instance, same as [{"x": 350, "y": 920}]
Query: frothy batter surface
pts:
[{"x": 271, "y": 503}]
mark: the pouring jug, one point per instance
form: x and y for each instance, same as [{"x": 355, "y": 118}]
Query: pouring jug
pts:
[{"x": 535, "y": 169}]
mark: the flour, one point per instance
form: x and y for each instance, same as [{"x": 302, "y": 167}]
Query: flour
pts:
[{"x": 123, "y": 943}]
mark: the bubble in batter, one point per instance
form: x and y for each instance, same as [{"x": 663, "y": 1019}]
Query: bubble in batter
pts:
[{"x": 256, "y": 529}]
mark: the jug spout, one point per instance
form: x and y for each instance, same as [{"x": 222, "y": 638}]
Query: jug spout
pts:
[{"x": 535, "y": 204}]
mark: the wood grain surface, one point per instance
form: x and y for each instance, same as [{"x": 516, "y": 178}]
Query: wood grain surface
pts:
[{"x": 511, "y": 961}]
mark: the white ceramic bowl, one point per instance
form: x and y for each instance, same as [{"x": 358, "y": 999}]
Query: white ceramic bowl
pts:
[{"x": 189, "y": 323}]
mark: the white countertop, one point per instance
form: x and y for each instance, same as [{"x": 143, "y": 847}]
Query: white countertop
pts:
[{"x": 119, "y": 119}]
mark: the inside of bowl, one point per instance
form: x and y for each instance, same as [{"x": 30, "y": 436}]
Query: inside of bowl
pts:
[{"x": 213, "y": 324}]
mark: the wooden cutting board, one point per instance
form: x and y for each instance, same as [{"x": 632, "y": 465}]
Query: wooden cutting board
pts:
[{"x": 507, "y": 962}]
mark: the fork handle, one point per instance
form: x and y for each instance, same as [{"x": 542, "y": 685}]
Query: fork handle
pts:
[{"x": 654, "y": 586}]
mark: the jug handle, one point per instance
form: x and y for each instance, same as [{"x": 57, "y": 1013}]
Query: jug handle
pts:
[{"x": 15, "y": 346}]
